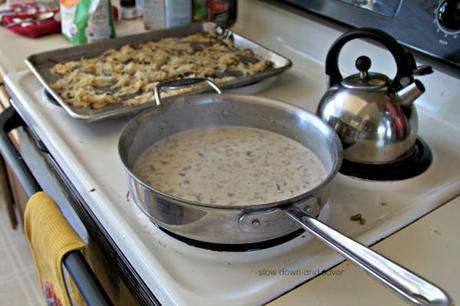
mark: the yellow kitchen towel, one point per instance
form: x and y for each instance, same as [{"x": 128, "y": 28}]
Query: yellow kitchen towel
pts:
[{"x": 50, "y": 238}]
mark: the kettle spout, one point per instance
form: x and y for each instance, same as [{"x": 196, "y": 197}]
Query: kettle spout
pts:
[{"x": 411, "y": 92}]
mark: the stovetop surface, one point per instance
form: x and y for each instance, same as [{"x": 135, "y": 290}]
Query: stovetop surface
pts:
[
  {"x": 181, "y": 274},
  {"x": 88, "y": 155}
]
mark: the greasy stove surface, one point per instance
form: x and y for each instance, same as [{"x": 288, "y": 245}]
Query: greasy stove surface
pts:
[{"x": 179, "y": 273}]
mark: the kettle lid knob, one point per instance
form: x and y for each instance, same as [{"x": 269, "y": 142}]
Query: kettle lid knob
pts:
[{"x": 363, "y": 64}]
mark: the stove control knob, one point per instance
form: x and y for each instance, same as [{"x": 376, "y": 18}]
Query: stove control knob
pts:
[{"x": 448, "y": 16}]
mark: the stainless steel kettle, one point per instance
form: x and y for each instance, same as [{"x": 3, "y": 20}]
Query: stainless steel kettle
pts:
[{"x": 373, "y": 115}]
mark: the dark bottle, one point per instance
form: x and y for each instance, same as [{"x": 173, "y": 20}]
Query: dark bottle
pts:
[
  {"x": 222, "y": 12},
  {"x": 233, "y": 12}
]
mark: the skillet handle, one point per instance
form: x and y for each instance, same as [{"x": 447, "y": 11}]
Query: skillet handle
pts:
[
  {"x": 187, "y": 82},
  {"x": 408, "y": 284}
]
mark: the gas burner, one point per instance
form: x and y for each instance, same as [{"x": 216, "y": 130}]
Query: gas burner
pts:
[
  {"x": 414, "y": 164},
  {"x": 220, "y": 247},
  {"x": 50, "y": 98}
]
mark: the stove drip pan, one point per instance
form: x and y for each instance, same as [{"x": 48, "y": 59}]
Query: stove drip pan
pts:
[
  {"x": 221, "y": 247},
  {"x": 414, "y": 164}
]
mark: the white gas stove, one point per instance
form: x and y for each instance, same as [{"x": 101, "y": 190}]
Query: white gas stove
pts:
[{"x": 178, "y": 273}]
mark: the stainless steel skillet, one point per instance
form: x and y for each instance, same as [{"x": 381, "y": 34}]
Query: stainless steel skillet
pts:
[{"x": 248, "y": 224}]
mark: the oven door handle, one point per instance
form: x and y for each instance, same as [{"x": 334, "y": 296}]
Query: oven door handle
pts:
[
  {"x": 10, "y": 120},
  {"x": 81, "y": 273}
]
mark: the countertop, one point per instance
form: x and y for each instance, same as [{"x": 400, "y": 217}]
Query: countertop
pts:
[
  {"x": 429, "y": 246},
  {"x": 14, "y": 49}
]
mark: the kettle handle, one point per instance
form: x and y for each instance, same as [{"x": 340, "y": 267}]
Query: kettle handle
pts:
[{"x": 404, "y": 73}]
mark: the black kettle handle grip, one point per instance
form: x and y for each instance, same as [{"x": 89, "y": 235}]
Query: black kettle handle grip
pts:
[{"x": 404, "y": 68}]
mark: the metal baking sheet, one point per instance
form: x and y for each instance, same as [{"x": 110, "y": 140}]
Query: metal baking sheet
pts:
[{"x": 41, "y": 63}]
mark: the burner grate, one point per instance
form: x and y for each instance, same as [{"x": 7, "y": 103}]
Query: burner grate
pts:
[{"x": 417, "y": 162}]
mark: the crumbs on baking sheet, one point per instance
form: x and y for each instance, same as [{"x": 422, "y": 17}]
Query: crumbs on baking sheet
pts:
[{"x": 129, "y": 75}]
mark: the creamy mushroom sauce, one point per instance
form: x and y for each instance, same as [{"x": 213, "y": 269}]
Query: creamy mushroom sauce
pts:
[{"x": 230, "y": 165}]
